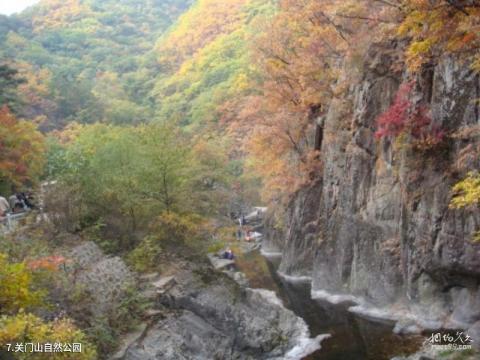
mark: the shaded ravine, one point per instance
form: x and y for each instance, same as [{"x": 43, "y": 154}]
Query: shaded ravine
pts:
[{"x": 353, "y": 338}]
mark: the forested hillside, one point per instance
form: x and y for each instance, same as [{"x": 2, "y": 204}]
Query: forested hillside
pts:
[
  {"x": 155, "y": 125},
  {"x": 207, "y": 60},
  {"x": 88, "y": 61}
]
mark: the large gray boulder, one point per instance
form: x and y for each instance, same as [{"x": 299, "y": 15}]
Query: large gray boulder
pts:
[
  {"x": 209, "y": 316},
  {"x": 102, "y": 278}
]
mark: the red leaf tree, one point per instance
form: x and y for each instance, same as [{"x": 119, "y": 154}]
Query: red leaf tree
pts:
[{"x": 405, "y": 117}]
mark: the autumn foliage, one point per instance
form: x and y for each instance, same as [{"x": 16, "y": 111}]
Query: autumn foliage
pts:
[
  {"x": 19, "y": 295},
  {"x": 406, "y": 117},
  {"x": 263, "y": 69},
  {"x": 16, "y": 291},
  {"x": 301, "y": 54},
  {"x": 206, "y": 20},
  {"x": 437, "y": 27},
  {"x": 394, "y": 121},
  {"x": 51, "y": 263},
  {"x": 21, "y": 150},
  {"x": 466, "y": 194},
  {"x": 298, "y": 54},
  {"x": 467, "y": 191},
  {"x": 27, "y": 328}
]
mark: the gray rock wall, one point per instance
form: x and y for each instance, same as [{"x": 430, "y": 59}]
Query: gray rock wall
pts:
[{"x": 378, "y": 225}]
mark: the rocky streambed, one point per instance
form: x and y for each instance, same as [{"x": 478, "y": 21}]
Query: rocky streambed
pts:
[
  {"x": 249, "y": 312},
  {"x": 354, "y": 335},
  {"x": 351, "y": 336},
  {"x": 202, "y": 313}
]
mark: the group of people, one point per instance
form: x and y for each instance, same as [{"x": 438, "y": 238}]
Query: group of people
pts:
[
  {"x": 16, "y": 203},
  {"x": 243, "y": 232},
  {"x": 246, "y": 230}
]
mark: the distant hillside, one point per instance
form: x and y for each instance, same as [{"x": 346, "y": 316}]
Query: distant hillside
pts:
[
  {"x": 131, "y": 61},
  {"x": 207, "y": 59},
  {"x": 87, "y": 60}
]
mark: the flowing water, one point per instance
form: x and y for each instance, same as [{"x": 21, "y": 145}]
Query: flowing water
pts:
[{"x": 353, "y": 338}]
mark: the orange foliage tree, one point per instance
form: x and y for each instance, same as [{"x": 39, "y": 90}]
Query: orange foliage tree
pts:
[
  {"x": 299, "y": 55},
  {"x": 436, "y": 27},
  {"x": 22, "y": 150},
  {"x": 302, "y": 52}
]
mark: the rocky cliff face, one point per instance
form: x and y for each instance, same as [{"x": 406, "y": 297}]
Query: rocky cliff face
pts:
[{"x": 378, "y": 224}]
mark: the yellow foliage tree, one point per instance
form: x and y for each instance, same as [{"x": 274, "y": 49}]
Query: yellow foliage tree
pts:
[
  {"x": 436, "y": 27},
  {"x": 19, "y": 327},
  {"x": 197, "y": 28},
  {"x": 61, "y": 13},
  {"x": 467, "y": 193},
  {"x": 25, "y": 329},
  {"x": 299, "y": 54},
  {"x": 16, "y": 287}
]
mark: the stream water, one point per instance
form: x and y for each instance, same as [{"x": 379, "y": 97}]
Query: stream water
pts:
[{"x": 352, "y": 337}]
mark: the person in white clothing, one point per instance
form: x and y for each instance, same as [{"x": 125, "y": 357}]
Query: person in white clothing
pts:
[{"x": 4, "y": 207}]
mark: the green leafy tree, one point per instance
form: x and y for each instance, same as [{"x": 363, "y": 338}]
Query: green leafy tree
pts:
[{"x": 135, "y": 173}]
